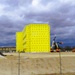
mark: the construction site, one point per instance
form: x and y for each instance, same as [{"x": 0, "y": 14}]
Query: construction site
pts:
[
  {"x": 38, "y": 64},
  {"x": 35, "y": 55}
]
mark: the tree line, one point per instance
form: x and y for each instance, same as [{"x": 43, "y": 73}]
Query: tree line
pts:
[{"x": 68, "y": 48}]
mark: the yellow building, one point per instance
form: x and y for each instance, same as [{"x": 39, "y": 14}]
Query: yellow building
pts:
[
  {"x": 34, "y": 38},
  {"x": 19, "y": 41}
]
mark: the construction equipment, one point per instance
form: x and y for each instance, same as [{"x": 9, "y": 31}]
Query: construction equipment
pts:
[
  {"x": 2, "y": 54},
  {"x": 55, "y": 45}
]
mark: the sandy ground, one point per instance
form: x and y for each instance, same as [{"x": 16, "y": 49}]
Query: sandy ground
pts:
[{"x": 38, "y": 64}]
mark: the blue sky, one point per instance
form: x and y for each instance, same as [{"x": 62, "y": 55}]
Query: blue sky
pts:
[{"x": 15, "y": 14}]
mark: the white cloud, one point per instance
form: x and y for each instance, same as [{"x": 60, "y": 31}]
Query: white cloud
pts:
[
  {"x": 59, "y": 13},
  {"x": 66, "y": 1},
  {"x": 35, "y": 3},
  {"x": 2, "y": 7}
]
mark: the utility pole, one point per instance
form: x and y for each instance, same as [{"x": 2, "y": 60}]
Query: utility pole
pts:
[
  {"x": 18, "y": 63},
  {"x": 60, "y": 62}
]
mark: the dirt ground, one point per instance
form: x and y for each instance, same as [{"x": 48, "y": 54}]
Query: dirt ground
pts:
[{"x": 38, "y": 64}]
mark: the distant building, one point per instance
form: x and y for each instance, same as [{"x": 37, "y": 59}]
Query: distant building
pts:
[
  {"x": 33, "y": 38},
  {"x": 8, "y": 49}
]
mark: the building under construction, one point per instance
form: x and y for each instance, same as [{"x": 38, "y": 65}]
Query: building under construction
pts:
[{"x": 33, "y": 38}]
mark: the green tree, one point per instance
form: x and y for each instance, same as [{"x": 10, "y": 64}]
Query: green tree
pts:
[{"x": 68, "y": 48}]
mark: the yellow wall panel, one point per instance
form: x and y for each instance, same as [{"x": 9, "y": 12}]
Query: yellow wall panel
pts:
[{"x": 19, "y": 41}]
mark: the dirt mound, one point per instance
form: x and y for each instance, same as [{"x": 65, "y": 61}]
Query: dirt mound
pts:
[{"x": 38, "y": 64}]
